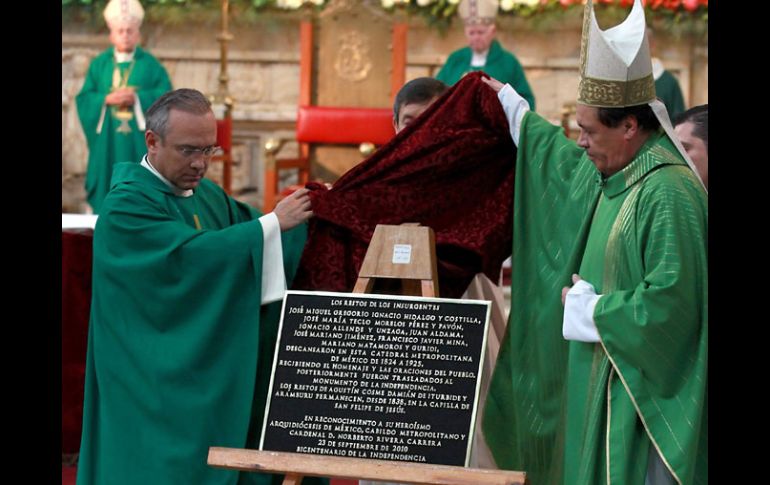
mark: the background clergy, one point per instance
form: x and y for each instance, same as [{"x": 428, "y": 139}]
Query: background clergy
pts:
[{"x": 120, "y": 84}]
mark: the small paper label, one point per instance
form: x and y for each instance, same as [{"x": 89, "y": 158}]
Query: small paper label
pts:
[{"x": 402, "y": 253}]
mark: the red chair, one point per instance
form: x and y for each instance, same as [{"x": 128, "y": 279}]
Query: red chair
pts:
[
  {"x": 336, "y": 109},
  {"x": 330, "y": 126},
  {"x": 225, "y": 141}
]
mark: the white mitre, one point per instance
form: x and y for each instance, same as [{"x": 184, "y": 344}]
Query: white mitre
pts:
[
  {"x": 616, "y": 69},
  {"x": 124, "y": 11},
  {"x": 478, "y": 11}
]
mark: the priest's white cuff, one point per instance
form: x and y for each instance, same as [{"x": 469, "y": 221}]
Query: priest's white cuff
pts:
[
  {"x": 515, "y": 107},
  {"x": 273, "y": 278},
  {"x": 579, "y": 307}
]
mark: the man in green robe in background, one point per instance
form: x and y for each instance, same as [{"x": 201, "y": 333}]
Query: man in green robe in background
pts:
[
  {"x": 484, "y": 52},
  {"x": 121, "y": 83},
  {"x": 606, "y": 381},
  {"x": 184, "y": 313},
  {"x": 667, "y": 87}
]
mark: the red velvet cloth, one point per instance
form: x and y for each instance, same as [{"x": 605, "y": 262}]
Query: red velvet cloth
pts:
[
  {"x": 451, "y": 170},
  {"x": 76, "y": 255}
]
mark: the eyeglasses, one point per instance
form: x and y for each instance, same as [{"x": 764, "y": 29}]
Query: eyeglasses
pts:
[{"x": 188, "y": 151}]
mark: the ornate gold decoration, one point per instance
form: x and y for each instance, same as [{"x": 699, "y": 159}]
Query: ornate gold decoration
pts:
[
  {"x": 124, "y": 115},
  {"x": 605, "y": 93},
  {"x": 353, "y": 61},
  {"x": 272, "y": 145},
  {"x": 366, "y": 148},
  {"x": 615, "y": 94},
  {"x": 584, "y": 37},
  {"x": 120, "y": 81}
]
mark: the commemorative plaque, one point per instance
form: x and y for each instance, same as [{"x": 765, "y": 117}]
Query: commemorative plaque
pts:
[{"x": 376, "y": 376}]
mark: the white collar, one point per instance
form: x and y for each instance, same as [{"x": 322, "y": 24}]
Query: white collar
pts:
[
  {"x": 124, "y": 56},
  {"x": 479, "y": 60},
  {"x": 657, "y": 68},
  {"x": 177, "y": 191}
]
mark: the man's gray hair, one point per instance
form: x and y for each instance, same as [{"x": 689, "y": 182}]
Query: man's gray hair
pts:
[{"x": 187, "y": 100}]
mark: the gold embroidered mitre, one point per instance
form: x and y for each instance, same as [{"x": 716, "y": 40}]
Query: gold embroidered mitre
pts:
[
  {"x": 478, "y": 11},
  {"x": 615, "y": 64},
  {"x": 124, "y": 11}
]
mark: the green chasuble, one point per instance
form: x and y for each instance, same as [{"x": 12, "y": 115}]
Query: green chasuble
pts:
[
  {"x": 587, "y": 413},
  {"x": 501, "y": 65},
  {"x": 668, "y": 90},
  {"x": 179, "y": 347},
  {"x": 106, "y": 145}
]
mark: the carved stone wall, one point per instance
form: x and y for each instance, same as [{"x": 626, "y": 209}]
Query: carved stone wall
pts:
[{"x": 264, "y": 79}]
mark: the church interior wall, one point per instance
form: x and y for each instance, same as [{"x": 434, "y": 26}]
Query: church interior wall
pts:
[{"x": 263, "y": 64}]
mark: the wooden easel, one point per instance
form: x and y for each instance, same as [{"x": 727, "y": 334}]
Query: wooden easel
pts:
[
  {"x": 298, "y": 465},
  {"x": 388, "y": 250}
]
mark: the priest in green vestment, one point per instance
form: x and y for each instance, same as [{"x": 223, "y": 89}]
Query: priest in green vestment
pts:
[
  {"x": 484, "y": 52},
  {"x": 121, "y": 83},
  {"x": 184, "y": 313},
  {"x": 603, "y": 373},
  {"x": 667, "y": 87}
]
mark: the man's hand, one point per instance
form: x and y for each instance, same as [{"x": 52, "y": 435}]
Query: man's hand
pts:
[
  {"x": 121, "y": 97},
  {"x": 493, "y": 83},
  {"x": 293, "y": 210},
  {"x": 575, "y": 279}
]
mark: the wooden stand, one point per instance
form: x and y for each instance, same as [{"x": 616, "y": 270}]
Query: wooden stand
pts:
[
  {"x": 388, "y": 250},
  {"x": 389, "y": 247},
  {"x": 297, "y": 465}
]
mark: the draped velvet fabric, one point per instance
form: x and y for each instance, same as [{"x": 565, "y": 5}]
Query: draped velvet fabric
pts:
[
  {"x": 451, "y": 169},
  {"x": 76, "y": 253}
]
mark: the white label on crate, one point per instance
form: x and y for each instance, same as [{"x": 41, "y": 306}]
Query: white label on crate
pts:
[{"x": 402, "y": 253}]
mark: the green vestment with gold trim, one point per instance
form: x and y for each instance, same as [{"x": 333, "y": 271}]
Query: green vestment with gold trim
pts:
[
  {"x": 500, "y": 64},
  {"x": 106, "y": 145},
  {"x": 180, "y": 348},
  {"x": 587, "y": 413}
]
